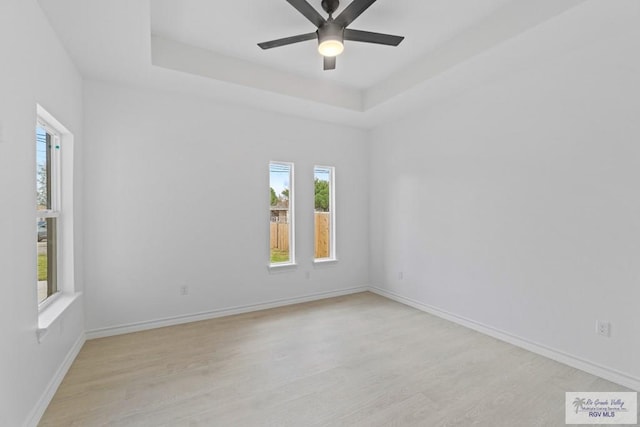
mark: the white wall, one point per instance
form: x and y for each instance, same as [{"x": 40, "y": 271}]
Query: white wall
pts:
[
  {"x": 512, "y": 202},
  {"x": 34, "y": 68},
  {"x": 178, "y": 192},
  {"x": 515, "y": 201}
]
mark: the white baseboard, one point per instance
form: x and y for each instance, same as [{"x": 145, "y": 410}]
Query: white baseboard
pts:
[
  {"x": 38, "y": 411},
  {"x": 177, "y": 320},
  {"x": 559, "y": 356}
]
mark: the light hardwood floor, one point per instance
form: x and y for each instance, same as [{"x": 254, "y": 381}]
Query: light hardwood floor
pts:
[{"x": 358, "y": 360}]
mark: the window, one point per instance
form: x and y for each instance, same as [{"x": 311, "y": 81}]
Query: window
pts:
[
  {"x": 325, "y": 238},
  {"x": 47, "y": 209},
  {"x": 281, "y": 231}
]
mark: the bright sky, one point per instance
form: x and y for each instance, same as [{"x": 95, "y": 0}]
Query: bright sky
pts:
[
  {"x": 322, "y": 174},
  {"x": 41, "y": 145},
  {"x": 279, "y": 176}
]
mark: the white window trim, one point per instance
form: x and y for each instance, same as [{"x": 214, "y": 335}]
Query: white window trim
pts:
[
  {"x": 332, "y": 222},
  {"x": 62, "y": 209},
  {"x": 292, "y": 221},
  {"x": 325, "y": 260}
]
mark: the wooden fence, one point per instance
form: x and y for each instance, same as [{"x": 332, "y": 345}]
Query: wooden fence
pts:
[
  {"x": 279, "y": 235},
  {"x": 323, "y": 234}
]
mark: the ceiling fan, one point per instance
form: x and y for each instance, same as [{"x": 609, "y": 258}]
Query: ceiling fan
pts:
[{"x": 332, "y": 33}]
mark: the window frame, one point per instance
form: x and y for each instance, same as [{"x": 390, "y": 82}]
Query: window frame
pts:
[
  {"x": 291, "y": 211},
  {"x": 53, "y": 212},
  {"x": 332, "y": 215}
]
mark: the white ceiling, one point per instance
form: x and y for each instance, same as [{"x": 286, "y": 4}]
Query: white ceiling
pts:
[
  {"x": 208, "y": 48},
  {"x": 234, "y": 28}
]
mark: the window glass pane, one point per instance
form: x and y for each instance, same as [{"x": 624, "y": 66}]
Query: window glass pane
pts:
[
  {"x": 280, "y": 212},
  {"x": 46, "y": 232},
  {"x": 323, "y": 212},
  {"x": 43, "y": 169},
  {"x": 46, "y": 221},
  {"x": 42, "y": 260}
]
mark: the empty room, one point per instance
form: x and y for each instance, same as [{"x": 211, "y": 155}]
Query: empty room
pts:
[{"x": 319, "y": 212}]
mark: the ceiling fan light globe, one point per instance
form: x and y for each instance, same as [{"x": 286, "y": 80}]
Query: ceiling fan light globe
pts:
[{"x": 331, "y": 48}]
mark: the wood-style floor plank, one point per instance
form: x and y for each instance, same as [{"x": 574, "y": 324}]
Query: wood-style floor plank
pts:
[{"x": 357, "y": 360}]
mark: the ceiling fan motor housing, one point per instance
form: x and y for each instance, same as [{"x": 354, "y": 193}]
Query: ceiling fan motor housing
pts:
[{"x": 330, "y": 31}]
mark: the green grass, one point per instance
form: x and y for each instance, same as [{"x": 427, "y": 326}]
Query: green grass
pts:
[
  {"x": 42, "y": 267},
  {"x": 278, "y": 255}
]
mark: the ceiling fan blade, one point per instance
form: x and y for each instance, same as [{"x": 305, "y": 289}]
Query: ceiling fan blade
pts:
[
  {"x": 329, "y": 63},
  {"x": 308, "y": 11},
  {"x": 288, "y": 40},
  {"x": 352, "y": 11},
  {"x": 369, "y": 37}
]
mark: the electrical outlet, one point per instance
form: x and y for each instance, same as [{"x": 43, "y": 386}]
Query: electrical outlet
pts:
[
  {"x": 184, "y": 290},
  {"x": 603, "y": 328}
]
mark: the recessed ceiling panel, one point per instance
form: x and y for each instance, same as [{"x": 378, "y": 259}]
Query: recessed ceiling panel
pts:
[{"x": 234, "y": 28}]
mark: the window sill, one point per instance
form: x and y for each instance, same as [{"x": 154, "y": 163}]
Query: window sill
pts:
[
  {"x": 52, "y": 312},
  {"x": 274, "y": 268},
  {"x": 322, "y": 261}
]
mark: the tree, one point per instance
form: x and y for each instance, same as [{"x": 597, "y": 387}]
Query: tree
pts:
[
  {"x": 322, "y": 195},
  {"x": 274, "y": 198},
  {"x": 285, "y": 194},
  {"x": 42, "y": 186}
]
